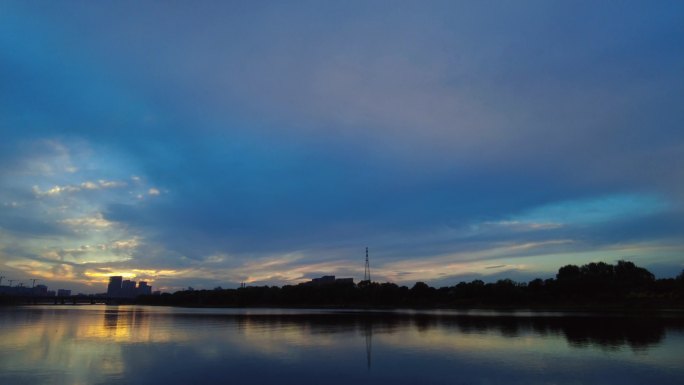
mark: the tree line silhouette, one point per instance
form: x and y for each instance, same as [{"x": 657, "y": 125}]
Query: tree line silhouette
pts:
[{"x": 596, "y": 283}]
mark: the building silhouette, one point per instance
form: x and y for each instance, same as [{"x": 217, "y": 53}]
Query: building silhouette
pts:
[
  {"x": 128, "y": 289},
  {"x": 40, "y": 290},
  {"x": 143, "y": 288},
  {"x": 329, "y": 279},
  {"x": 114, "y": 287},
  {"x": 120, "y": 288}
]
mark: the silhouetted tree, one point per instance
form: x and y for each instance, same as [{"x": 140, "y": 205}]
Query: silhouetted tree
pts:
[{"x": 595, "y": 282}]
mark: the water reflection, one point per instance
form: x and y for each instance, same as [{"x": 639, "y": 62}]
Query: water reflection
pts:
[
  {"x": 100, "y": 344},
  {"x": 579, "y": 331},
  {"x": 369, "y": 343}
]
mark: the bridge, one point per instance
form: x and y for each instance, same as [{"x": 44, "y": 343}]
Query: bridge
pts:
[{"x": 65, "y": 300}]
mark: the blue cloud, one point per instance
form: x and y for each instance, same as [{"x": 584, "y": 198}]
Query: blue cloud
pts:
[
  {"x": 597, "y": 209},
  {"x": 261, "y": 130}
]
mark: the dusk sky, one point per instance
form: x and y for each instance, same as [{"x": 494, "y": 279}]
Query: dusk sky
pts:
[{"x": 208, "y": 143}]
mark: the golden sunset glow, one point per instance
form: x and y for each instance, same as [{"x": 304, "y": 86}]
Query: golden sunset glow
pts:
[{"x": 242, "y": 154}]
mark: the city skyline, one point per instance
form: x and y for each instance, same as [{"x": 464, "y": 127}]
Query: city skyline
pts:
[
  {"x": 116, "y": 288},
  {"x": 228, "y": 142}
]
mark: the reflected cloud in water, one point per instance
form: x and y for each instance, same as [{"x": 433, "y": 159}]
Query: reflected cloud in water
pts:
[{"x": 99, "y": 344}]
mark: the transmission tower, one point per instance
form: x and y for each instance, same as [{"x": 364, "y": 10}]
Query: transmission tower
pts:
[{"x": 366, "y": 272}]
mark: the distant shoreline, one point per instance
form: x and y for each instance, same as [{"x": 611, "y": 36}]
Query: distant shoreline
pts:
[
  {"x": 660, "y": 309},
  {"x": 596, "y": 286}
]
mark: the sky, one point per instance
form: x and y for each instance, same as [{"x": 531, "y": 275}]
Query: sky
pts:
[{"x": 207, "y": 143}]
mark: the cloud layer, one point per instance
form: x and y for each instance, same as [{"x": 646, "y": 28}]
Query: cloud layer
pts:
[{"x": 219, "y": 143}]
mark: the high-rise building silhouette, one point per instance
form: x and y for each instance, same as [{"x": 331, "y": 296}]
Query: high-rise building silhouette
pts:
[
  {"x": 120, "y": 288},
  {"x": 114, "y": 287},
  {"x": 40, "y": 290},
  {"x": 128, "y": 289},
  {"x": 143, "y": 288}
]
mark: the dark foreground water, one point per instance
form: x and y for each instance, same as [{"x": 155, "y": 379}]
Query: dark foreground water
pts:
[{"x": 94, "y": 344}]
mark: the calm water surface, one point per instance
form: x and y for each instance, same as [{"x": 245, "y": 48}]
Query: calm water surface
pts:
[{"x": 95, "y": 344}]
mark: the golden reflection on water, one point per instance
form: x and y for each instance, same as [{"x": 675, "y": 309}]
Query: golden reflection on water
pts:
[
  {"x": 119, "y": 326},
  {"x": 83, "y": 343},
  {"x": 91, "y": 344},
  {"x": 57, "y": 343}
]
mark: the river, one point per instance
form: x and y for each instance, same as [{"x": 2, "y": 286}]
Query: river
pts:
[{"x": 98, "y": 344}]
